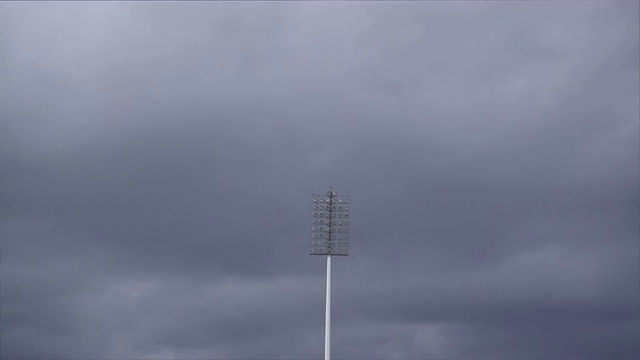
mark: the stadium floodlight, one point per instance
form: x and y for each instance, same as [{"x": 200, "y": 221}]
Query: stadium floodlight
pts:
[{"x": 336, "y": 211}]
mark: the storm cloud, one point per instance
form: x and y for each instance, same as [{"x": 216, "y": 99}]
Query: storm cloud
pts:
[{"x": 157, "y": 162}]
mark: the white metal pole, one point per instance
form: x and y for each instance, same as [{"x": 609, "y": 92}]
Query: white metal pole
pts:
[{"x": 327, "y": 315}]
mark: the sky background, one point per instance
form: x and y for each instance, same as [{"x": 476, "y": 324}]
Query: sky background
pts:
[{"x": 157, "y": 162}]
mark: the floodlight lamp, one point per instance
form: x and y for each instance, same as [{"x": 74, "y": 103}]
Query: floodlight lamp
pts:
[{"x": 346, "y": 200}]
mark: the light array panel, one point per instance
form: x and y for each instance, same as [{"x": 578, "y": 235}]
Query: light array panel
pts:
[{"x": 330, "y": 224}]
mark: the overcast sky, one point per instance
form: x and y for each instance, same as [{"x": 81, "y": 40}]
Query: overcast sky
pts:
[{"x": 157, "y": 162}]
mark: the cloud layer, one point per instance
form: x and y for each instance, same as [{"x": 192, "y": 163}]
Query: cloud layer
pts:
[{"x": 157, "y": 164}]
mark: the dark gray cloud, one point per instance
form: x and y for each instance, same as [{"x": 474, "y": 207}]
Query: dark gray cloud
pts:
[{"x": 157, "y": 162}]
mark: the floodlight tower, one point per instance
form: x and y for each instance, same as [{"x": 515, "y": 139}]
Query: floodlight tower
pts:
[{"x": 329, "y": 236}]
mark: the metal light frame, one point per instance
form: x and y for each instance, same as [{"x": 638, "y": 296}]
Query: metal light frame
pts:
[{"x": 330, "y": 224}]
